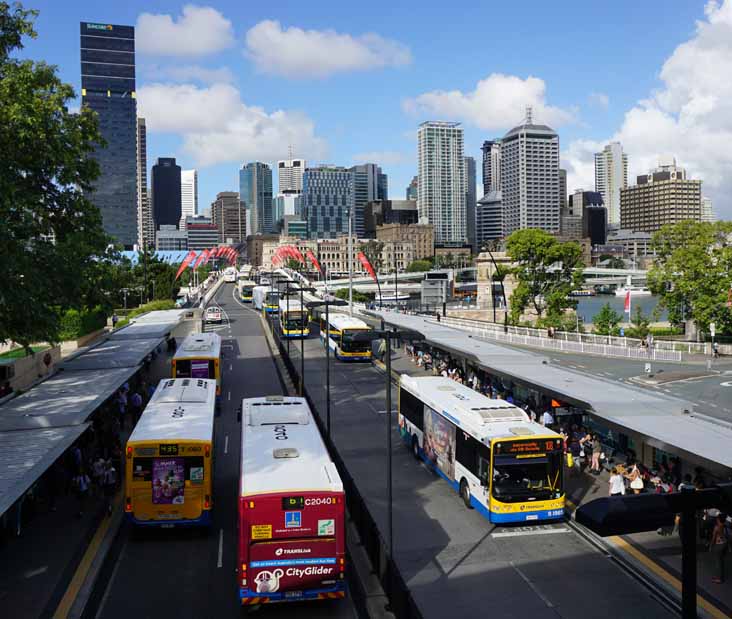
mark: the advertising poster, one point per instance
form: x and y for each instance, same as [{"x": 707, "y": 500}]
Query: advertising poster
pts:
[
  {"x": 199, "y": 369},
  {"x": 439, "y": 442},
  {"x": 168, "y": 481}
]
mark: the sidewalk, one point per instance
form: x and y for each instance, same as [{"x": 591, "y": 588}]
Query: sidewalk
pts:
[{"x": 660, "y": 555}]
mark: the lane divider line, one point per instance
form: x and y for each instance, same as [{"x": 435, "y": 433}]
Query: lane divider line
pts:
[
  {"x": 220, "y": 562},
  {"x": 226, "y": 445}
]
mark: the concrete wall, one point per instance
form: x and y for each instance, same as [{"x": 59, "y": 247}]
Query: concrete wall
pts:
[{"x": 29, "y": 369}]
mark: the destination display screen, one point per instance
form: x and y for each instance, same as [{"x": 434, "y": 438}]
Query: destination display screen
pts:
[
  {"x": 293, "y": 502},
  {"x": 534, "y": 447},
  {"x": 168, "y": 450}
]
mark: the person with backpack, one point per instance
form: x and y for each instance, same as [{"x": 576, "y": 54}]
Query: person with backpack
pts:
[{"x": 719, "y": 547}]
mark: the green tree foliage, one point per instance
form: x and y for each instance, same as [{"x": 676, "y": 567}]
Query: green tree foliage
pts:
[
  {"x": 358, "y": 297},
  {"x": 613, "y": 262},
  {"x": 693, "y": 272},
  {"x": 419, "y": 266},
  {"x": 606, "y": 321},
  {"x": 51, "y": 235},
  {"x": 640, "y": 324},
  {"x": 546, "y": 271}
]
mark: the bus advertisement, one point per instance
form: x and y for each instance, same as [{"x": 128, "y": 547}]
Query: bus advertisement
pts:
[
  {"x": 340, "y": 332},
  {"x": 507, "y": 467},
  {"x": 292, "y": 543},
  {"x": 246, "y": 290},
  {"x": 199, "y": 356},
  {"x": 294, "y": 319},
  {"x": 169, "y": 465}
]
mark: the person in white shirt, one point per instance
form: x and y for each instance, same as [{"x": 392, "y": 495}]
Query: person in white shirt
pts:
[
  {"x": 617, "y": 483},
  {"x": 547, "y": 419}
]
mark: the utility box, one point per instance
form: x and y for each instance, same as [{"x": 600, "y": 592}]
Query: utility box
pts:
[{"x": 437, "y": 288}]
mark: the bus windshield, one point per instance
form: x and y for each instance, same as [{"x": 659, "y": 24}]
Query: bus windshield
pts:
[
  {"x": 272, "y": 298},
  {"x": 349, "y": 345},
  {"x": 295, "y": 320},
  {"x": 518, "y": 479},
  {"x": 247, "y": 290}
]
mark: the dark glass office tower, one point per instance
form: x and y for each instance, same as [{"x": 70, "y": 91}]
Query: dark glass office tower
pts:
[
  {"x": 166, "y": 196},
  {"x": 108, "y": 88}
]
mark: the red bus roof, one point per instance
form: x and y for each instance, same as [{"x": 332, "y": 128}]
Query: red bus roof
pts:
[{"x": 282, "y": 450}]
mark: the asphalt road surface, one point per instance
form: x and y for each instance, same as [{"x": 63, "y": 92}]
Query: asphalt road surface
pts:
[{"x": 187, "y": 573}]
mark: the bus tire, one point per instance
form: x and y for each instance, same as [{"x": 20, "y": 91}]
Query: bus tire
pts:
[
  {"x": 465, "y": 493},
  {"x": 415, "y": 447}
]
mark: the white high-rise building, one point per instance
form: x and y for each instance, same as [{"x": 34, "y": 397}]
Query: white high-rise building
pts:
[
  {"x": 188, "y": 195},
  {"x": 441, "y": 193},
  {"x": 611, "y": 175},
  {"x": 707, "y": 212},
  {"x": 289, "y": 173},
  {"x": 145, "y": 225},
  {"x": 530, "y": 177}
]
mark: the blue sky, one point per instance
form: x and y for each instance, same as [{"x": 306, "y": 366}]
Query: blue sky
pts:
[{"x": 229, "y": 82}]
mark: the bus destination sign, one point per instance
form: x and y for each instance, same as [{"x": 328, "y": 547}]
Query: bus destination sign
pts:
[
  {"x": 293, "y": 502},
  {"x": 166, "y": 449},
  {"x": 534, "y": 447}
]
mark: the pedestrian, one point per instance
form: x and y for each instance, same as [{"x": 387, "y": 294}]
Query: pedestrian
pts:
[
  {"x": 635, "y": 479},
  {"x": 596, "y": 451},
  {"x": 98, "y": 474},
  {"x": 617, "y": 483},
  {"x": 135, "y": 406},
  {"x": 686, "y": 484},
  {"x": 547, "y": 419},
  {"x": 122, "y": 407},
  {"x": 81, "y": 486},
  {"x": 719, "y": 547},
  {"x": 110, "y": 484},
  {"x": 715, "y": 350}
]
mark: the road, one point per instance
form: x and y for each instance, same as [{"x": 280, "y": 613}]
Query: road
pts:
[
  {"x": 453, "y": 560},
  {"x": 191, "y": 573}
]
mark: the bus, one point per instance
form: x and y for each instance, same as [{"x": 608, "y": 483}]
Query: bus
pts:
[
  {"x": 340, "y": 337},
  {"x": 199, "y": 356},
  {"x": 246, "y": 289},
  {"x": 265, "y": 299},
  {"x": 507, "y": 467},
  {"x": 230, "y": 275},
  {"x": 169, "y": 465},
  {"x": 294, "y": 319},
  {"x": 292, "y": 541},
  {"x": 245, "y": 271}
]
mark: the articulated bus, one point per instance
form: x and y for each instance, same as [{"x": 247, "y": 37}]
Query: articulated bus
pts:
[
  {"x": 169, "y": 466},
  {"x": 340, "y": 332},
  {"x": 265, "y": 299},
  {"x": 246, "y": 289},
  {"x": 230, "y": 275},
  {"x": 292, "y": 543},
  {"x": 199, "y": 356},
  {"x": 507, "y": 467},
  {"x": 294, "y": 319}
]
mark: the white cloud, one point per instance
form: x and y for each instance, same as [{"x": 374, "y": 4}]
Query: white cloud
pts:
[
  {"x": 193, "y": 72},
  {"x": 297, "y": 53},
  {"x": 498, "y": 103},
  {"x": 690, "y": 117},
  {"x": 385, "y": 157},
  {"x": 216, "y": 126},
  {"x": 199, "y": 31},
  {"x": 599, "y": 99}
]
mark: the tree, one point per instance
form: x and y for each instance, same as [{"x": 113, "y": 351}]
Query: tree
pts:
[
  {"x": 419, "y": 266},
  {"x": 546, "y": 271},
  {"x": 693, "y": 272},
  {"x": 358, "y": 297},
  {"x": 640, "y": 324},
  {"x": 606, "y": 320},
  {"x": 613, "y": 262},
  {"x": 51, "y": 236}
]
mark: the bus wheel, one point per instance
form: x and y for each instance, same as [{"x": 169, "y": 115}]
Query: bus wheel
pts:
[
  {"x": 415, "y": 447},
  {"x": 465, "y": 493}
]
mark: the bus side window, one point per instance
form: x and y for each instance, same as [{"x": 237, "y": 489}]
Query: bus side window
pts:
[
  {"x": 466, "y": 452},
  {"x": 412, "y": 408}
]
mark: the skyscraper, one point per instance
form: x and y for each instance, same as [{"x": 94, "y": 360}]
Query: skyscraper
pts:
[
  {"x": 491, "y": 166},
  {"x": 165, "y": 189},
  {"x": 369, "y": 183},
  {"x": 255, "y": 190},
  {"x": 412, "y": 189},
  {"x": 229, "y": 216},
  {"x": 145, "y": 224},
  {"x": 611, "y": 175},
  {"x": 327, "y": 200},
  {"x": 471, "y": 200},
  {"x": 441, "y": 193},
  {"x": 289, "y": 174},
  {"x": 562, "y": 187},
  {"x": 707, "y": 212},
  {"x": 108, "y": 88},
  {"x": 530, "y": 177},
  {"x": 188, "y": 195}
]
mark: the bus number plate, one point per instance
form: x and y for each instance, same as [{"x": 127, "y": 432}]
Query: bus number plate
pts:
[
  {"x": 293, "y": 594},
  {"x": 168, "y": 450}
]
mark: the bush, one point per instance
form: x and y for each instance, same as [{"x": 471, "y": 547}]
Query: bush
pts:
[
  {"x": 152, "y": 306},
  {"x": 76, "y": 324},
  {"x": 418, "y": 266}
]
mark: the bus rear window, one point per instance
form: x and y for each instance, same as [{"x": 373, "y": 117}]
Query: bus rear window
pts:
[{"x": 195, "y": 368}]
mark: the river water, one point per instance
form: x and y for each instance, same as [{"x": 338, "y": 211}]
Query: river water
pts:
[{"x": 587, "y": 307}]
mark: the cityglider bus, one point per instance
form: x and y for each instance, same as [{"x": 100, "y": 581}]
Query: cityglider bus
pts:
[
  {"x": 246, "y": 290},
  {"x": 294, "y": 319},
  {"x": 265, "y": 299},
  {"x": 340, "y": 334},
  {"x": 507, "y": 467},
  {"x": 230, "y": 275},
  {"x": 199, "y": 356},
  {"x": 292, "y": 543},
  {"x": 169, "y": 464}
]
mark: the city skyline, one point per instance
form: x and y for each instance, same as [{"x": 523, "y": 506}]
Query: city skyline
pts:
[{"x": 637, "y": 98}]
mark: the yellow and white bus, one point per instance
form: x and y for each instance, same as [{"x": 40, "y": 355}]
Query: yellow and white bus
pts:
[
  {"x": 504, "y": 465},
  {"x": 266, "y": 299},
  {"x": 246, "y": 289},
  {"x": 199, "y": 356},
  {"x": 294, "y": 319},
  {"x": 169, "y": 456},
  {"x": 340, "y": 334}
]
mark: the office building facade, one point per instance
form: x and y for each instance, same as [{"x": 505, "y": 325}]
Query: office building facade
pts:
[
  {"x": 145, "y": 223},
  {"x": 663, "y": 196},
  {"x": 488, "y": 219},
  {"x": 471, "y": 200},
  {"x": 228, "y": 213},
  {"x": 611, "y": 175},
  {"x": 421, "y": 236},
  {"x": 413, "y": 189},
  {"x": 165, "y": 188},
  {"x": 441, "y": 176},
  {"x": 381, "y": 212},
  {"x": 201, "y": 232},
  {"x": 287, "y": 204},
  {"x": 327, "y": 201},
  {"x": 491, "y": 166},
  {"x": 255, "y": 190},
  {"x": 369, "y": 183},
  {"x": 707, "y": 211},
  {"x": 289, "y": 175},
  {"x": 188, "y": 195},
  {"x": 170, "y": 238},
  {"x": 108, "y": 88},
  {"x": 530, "y": 178}
]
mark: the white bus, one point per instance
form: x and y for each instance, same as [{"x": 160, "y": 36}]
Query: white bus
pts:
[
  {"x": 245, "y": 271},
  {"x": 294, "y": 319},
  {"x": 230, "y": 275},
  {"x": 199, "y": 356},
  {"x": 265, "y": 299},
  {"x": 169, "y": 464},
  {"x": 292, "y": 540},
  {"x": 340, "y": 334},
  {"x": 502, "y": 464}
]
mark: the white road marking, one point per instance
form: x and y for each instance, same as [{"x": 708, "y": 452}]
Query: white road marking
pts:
[
  {"x": 220, "y": 562},
  {"x": 522, "y": 533},
  {"x": 229, "y": 398},
  {"x": 226, "y": 444},
  {"x": 231, "y": 367},
  {"x": 36, "y": 572},
  {"x": 534, "y": 588},
  {"x": 727, "y": 383}
]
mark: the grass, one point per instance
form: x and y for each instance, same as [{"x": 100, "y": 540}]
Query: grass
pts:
[{"x": 19, "y": 353}]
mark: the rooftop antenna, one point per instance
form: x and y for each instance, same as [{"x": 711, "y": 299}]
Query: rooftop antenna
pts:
[{"x": 529, "y": 112}]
